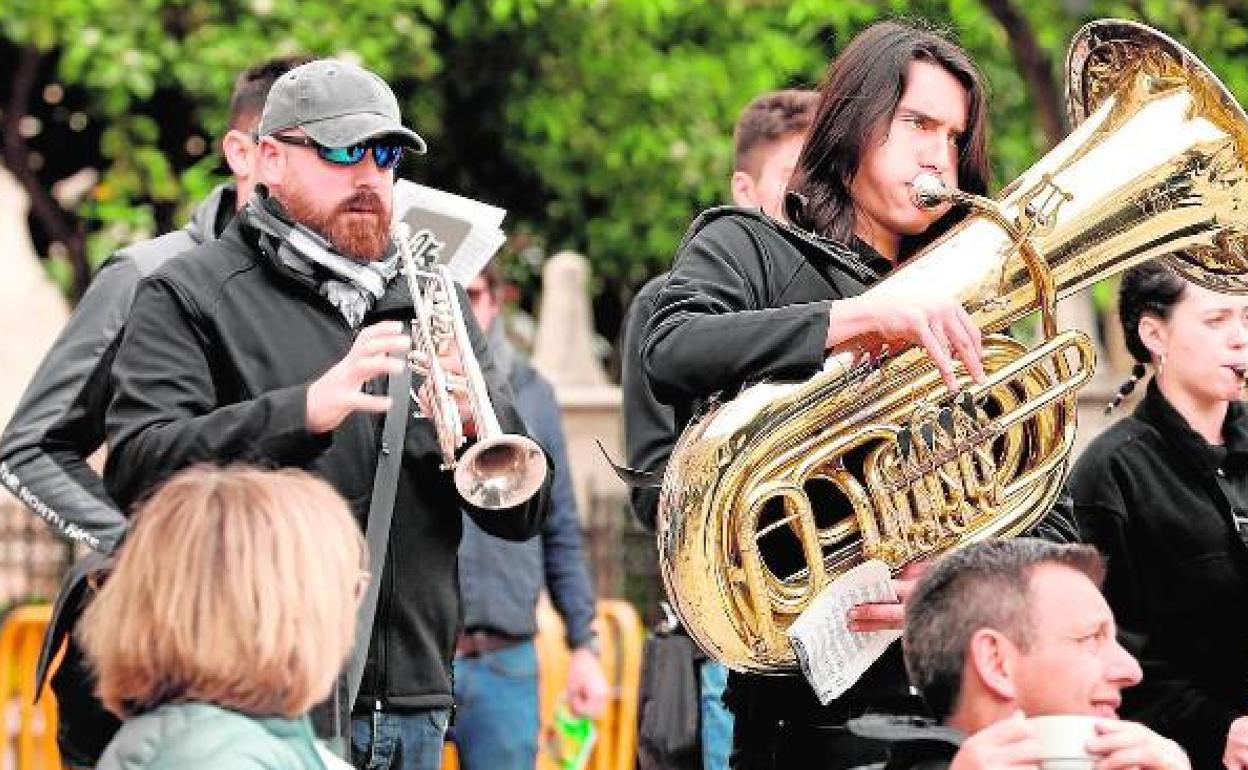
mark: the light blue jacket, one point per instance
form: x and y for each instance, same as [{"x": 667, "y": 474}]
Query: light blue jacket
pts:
[{"x": 200, "y": 736}]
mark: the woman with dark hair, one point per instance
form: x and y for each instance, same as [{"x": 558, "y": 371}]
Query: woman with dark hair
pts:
[
  {"x": 1164, "y": 494},
  {"x": 753, "y": 298}
]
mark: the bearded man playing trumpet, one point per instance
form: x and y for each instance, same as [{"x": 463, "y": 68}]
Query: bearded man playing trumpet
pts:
[
  {"x": 281, "y": 343},
  {"x": 751, "y": 298}
]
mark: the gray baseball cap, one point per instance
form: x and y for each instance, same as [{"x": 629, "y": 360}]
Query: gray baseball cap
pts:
[{"x": 337, "y": 104}]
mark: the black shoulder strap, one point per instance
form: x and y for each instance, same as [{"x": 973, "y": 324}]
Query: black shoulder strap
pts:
[{"x": 380, "y": 512}]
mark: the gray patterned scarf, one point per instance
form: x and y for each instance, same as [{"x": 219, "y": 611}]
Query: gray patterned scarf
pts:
[{"x": 352, "y": 287}]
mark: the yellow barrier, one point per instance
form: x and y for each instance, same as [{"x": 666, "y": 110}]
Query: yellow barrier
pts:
[
  {"x": 622, "y": 637},
  {"x": 34, "y": 745},
  {"x": 618, "y": 625}
]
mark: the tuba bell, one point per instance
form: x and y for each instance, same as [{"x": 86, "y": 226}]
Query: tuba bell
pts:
[{"x": 770, "y": 497}]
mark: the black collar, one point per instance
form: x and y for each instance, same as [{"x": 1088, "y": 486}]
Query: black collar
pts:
[
  {"x": 1155, "y": 410},
  {"x": 857, "y": 258},
  {"x": 870, "y": 257},
  {"x": 795, "y": 212}
]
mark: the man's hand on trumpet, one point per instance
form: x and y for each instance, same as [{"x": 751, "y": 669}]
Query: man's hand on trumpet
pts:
[
  {"x": 378, "y": 350},
  {"x": 453, "y": 367}
]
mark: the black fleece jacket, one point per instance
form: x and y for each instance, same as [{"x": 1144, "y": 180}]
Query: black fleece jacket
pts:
[
  {"x": 1158, "y": 500},
  {"x": 214, "y": 365}
]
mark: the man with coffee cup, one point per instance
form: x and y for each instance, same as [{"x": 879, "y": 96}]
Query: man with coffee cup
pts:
[{"x": 1002, "y": 637}]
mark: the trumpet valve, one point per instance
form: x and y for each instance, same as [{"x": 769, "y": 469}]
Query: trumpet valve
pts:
[{"x": 419, "y": 361}]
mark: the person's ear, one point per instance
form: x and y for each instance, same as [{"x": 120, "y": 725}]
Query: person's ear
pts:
[
  {"x": 992, "y": 658},
  {"x": 744, "y": 191},
  {"x": 239, "y": 150},
  {"x": 1154, "y": 334},
  {"x": 269, "y": 163}
]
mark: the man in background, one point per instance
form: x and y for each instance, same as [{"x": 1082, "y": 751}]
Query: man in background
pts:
[
  {"x": 496, "y": 677},
  {"x": 766, "y": 142},
  {"x": 1004, "y": 630}
]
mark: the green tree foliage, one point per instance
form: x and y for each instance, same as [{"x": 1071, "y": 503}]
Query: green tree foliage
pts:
[{"x": 602, "y": 125}]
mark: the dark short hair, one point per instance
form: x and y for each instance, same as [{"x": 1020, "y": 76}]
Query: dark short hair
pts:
[
  {"x": 251, "y": 88},
  {"x": 1151, "y": 288},
  {"x": 983, "y": 585},
  {"x": 768, "y": 118},
  {"x": 858, "y": 97}
]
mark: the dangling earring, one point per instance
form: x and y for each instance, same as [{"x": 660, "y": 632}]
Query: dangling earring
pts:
[
  {"x": 1161, "y": 364},
  {"x": 1124, "y": 390}
]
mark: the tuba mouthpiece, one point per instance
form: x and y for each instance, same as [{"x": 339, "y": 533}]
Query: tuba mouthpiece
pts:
[{"x": 928, "y": 191}]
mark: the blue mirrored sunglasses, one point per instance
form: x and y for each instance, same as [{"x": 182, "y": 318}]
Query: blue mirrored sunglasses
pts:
[{"x": 386, "y": 154}]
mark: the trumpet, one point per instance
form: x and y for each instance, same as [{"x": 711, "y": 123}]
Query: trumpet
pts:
[{"x": 499, "y": 470}]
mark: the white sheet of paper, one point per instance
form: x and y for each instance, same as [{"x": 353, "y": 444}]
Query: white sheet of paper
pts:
[
  {"x": 467, "y": 230},
  {"x": 832, "y": 657}
]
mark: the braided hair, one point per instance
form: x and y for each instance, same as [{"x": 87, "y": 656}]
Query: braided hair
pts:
[{"x": 1151, "y": 288}]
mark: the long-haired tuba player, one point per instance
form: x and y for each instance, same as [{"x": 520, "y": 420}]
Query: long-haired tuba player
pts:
[{"x": 889, "y": 263}]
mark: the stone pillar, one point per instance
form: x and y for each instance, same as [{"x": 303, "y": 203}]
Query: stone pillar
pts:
[
  {"x": 563, "y": 352},
  {"x": 32, "y": 312}
]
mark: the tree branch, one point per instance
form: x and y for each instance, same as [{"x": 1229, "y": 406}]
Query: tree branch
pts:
[
  {"x": 60, "y": 225},
  {"x": 1036, "y": 68}
]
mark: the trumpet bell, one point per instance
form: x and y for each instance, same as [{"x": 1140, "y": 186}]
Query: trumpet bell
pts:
[{"x": 500, "y": 472}]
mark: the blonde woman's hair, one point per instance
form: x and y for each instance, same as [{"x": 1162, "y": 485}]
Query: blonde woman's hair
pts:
[{"x": 237, "y": 587}]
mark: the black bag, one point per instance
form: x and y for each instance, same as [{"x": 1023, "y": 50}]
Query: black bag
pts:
[
  {"x": 669, "y": 708},
  {"x": 84, "y": 726}
]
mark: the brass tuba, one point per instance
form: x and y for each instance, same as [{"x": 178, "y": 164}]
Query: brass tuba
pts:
[{"x": 773, "y": 495}]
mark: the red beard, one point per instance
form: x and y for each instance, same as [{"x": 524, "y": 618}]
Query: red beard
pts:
[{"x": 359, "y": 227}]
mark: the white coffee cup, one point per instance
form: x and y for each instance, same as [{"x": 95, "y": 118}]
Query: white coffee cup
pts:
[{"x": 1063, "y": 740}]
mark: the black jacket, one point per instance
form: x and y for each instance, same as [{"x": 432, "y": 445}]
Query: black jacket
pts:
[
  {"x": 649, "y": 425},
  {"x": 1156, "y": 499},
  {"x": 747, "y": 300},
  {"x": 214, "y": 365},
  {"x": 59, "y": 422}
]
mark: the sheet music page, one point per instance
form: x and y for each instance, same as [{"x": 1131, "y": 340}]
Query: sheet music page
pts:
[
  {"x": 449, "y": 229},
  {"x": 832, "y": 657}
]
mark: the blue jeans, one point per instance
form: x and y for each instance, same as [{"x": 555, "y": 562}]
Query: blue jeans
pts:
[
  {"x": 399, "y": 740},
  {"x": 716, "y": 718},
  {"x": 496, "y": 709}
]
